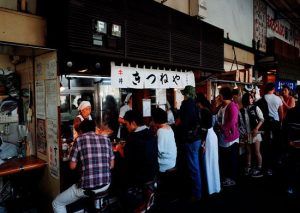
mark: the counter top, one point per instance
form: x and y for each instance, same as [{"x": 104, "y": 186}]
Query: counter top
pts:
[{"x": 18, "y": 165}]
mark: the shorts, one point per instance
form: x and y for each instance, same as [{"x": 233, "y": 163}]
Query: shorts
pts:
[{"x": 252, "y": 140}]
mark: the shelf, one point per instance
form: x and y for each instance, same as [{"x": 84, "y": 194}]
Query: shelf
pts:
[
  {"x": 8, "y": 119},
  {"x": 2, "y": 97}
]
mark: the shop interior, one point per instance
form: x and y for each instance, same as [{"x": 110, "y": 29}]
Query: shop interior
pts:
[
  {"x": 106, "y": 101},
  {"x": 20, "y": 169}
]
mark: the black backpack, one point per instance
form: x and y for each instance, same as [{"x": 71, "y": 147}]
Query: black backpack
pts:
[
  {"x": 253, "y": 117},
  {"x": 263, "y": 105},
  {"x": 242, "y": 126}
]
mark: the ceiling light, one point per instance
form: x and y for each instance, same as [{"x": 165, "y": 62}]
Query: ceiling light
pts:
[
  {"x": 62, "y": 88},
  {"x": 69, "y": 64},
  {"x": 84, "y": 70}
]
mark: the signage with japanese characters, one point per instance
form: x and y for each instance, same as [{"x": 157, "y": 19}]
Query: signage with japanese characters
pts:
[{"x": 139, "y": 78}]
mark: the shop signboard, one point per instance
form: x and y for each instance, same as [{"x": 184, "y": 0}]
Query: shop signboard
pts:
[
  {"x": 290, "y": 83},
  {"x": 279, "y": 28},
  {"x": 149, "y": 78}
]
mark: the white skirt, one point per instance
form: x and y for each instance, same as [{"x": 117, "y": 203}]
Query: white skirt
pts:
[{"x": 211, "y": 162}]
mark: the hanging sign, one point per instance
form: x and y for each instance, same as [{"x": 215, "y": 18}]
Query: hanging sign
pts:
[
  {"x": 281, "y": 82},
  {"x": 140, "y": 78}
]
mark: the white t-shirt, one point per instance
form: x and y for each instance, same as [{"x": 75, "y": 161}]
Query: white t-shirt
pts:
[
  {"x": 274, "y": 102},
  {"x": 167, "y": 150}
]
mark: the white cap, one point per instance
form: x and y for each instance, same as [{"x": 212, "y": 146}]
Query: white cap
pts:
[
  {"x": 83, "y": 105},
  {"x": 127, "y": 98}
]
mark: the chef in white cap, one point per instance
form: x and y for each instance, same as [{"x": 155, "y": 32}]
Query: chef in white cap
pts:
[
  {"x": 123, "y": 110},
  {"x": 85, "y": 110}
]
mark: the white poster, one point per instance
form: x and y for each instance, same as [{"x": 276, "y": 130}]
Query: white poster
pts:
[
  {"x": 51, "y": 69},
  {"x": 51, "y": 99},
  {"x": 161, "y": 97},
  {"x": 146, "y": 107},
  {"x": 39, "y": 74},
  {"x": 136, "y": 77},
  {"x": 40, "y": 99},
  {"x": 53, "y": 149},
  {"x": 178, "y": 99}
]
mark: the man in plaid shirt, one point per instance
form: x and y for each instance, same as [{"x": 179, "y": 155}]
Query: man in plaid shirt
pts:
[{"x": 97, "y": 158}]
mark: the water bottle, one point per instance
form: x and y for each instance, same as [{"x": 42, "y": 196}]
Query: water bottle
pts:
[
  {"x": 64, "y": 149},
  {"x": 97, "y": 203}
]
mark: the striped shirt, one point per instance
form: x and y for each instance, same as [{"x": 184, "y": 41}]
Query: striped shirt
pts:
[{"x": 95, "y": 154}]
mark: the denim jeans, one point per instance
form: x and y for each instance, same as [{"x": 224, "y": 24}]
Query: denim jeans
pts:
[{"x": 192, "y": 155}]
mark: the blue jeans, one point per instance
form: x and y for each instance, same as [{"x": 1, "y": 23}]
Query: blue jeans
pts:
[{"x": 192, "y": 155}]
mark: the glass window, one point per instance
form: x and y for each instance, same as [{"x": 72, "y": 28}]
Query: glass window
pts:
[{"x": 64, "y": 103}]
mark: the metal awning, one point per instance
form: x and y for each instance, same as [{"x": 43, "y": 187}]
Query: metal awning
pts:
[{"x": 7, "y": 48}]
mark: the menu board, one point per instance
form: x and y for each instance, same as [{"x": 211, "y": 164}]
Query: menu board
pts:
[
  {"x": 41, "y": 136},
  {"x": 51, "y": 99},
  {"x": 51, "y": 69},
  {"x": 146, "y": 107},
  {"x": 40, "y": 99},
  {"x": 53, "y": 148}
]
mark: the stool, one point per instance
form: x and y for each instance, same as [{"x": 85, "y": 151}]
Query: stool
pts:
[
  {"x": 168, "y": 183},
  {"x": 97, "y": 202},
  {"x": 147, "y": 192}
]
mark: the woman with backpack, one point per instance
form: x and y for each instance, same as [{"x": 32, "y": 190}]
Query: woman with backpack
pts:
[{"x": 253, "y": 119}]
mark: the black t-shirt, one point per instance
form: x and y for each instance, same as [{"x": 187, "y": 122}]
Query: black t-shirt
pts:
[
  {"x": 292, "y": 123},
  {"x": 189, "y": 115},
  {"x": 141, "y": 153}
]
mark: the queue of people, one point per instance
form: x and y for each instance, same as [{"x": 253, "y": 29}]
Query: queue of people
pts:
[
  {"x": 268, "y": 128},
  {"x": 210, "y": 147}
]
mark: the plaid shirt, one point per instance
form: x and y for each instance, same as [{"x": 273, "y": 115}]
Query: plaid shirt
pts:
[{"x": 95, "y": 153}]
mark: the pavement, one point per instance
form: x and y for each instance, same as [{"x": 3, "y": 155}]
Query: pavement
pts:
[{"x": 265, "y": 194}]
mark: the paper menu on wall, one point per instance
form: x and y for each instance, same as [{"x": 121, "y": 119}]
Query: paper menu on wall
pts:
[
  {"x": 51, "y": 99},
  {"x": 40, "y": 99},
  {"x": 146, "y": 107}
]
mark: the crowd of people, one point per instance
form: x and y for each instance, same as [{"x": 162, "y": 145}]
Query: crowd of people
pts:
[{"x": 203, "y": 144}]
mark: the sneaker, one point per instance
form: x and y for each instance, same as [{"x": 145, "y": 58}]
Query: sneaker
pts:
[
  {"x": 150, "y": 202},
  {"x": 247, "y": 171},
  {"x": 290, "y": 190},
  {"x": 269, "y": 172},
  {"x": 228, "y": 182},
  {"x": 257, "y": 173}
]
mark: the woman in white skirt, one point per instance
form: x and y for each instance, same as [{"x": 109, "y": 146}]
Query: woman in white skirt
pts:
[{"x": 210, "y": 146}]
